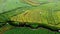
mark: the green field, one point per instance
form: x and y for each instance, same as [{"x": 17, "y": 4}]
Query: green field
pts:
[
  {"x": 31, "y": 12},
  {"x": 26, "y": 30}
]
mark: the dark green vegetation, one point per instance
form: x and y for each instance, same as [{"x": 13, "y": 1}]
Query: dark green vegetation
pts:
[
  {"x": 26, "y": 30},
  {"x": 8, "y": 29}
]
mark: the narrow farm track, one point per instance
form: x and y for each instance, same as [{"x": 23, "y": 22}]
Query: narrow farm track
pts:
[
  {"x": 32, "y": 2},
  {"x": 35, "y": 2},
  {"x": 5, "y": 28}
]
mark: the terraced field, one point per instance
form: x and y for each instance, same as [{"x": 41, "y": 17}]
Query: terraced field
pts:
[{"x": 30, "y": 13}]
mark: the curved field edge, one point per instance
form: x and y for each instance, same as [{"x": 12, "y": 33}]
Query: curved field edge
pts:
[
  {"x": 5, "y": 16},
  {"x": 36, "y": 12},
  {"x": 11, "y": 29},
  {"x": 26, "y": 30},
  {"x": 35, "y": 25}
]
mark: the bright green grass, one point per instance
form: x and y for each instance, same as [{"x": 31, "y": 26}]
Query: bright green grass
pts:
[{"x": 6, "y": 5}]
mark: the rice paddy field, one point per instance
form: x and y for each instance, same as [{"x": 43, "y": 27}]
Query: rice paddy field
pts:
[{"x": 44, "y": 13}]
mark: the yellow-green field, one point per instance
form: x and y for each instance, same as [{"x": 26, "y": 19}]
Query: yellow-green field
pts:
[{"x": 32, "y": 13}]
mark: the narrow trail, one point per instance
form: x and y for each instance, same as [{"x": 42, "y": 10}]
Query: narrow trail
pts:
[{"x": 5, "y": 28}]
